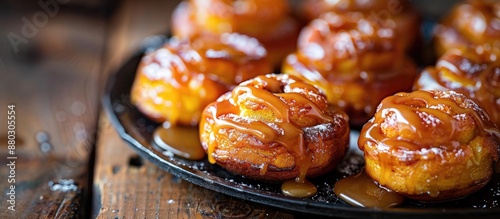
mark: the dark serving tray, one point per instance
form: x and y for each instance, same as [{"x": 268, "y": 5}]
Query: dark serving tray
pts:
[{"x": 137, "y": 130}]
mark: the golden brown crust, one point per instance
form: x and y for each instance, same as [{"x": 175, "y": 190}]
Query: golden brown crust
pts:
[
  {"x": 430, "y": 145},
  {"x": 356, "y": 60},
  {"x": 400, "y": 15},
  {"x": 471, "y": 24},
  {"x": 273, "y": 26},
  {"x": 274, "y": 128},
  {"x": 469, "y": 73},
  {"x": 177, "y": 81}
]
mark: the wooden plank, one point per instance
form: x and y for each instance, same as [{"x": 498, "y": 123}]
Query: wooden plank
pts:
[
  {"x": 126, "y": 186},
  {"x": 53, "y": 81}
]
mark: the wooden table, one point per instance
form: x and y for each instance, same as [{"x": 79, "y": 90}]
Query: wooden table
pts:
[{"x": 53, "y": 81}]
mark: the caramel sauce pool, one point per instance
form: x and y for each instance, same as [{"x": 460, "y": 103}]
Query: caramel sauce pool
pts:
[
  {"x": 360, "y": 190},
  {"x": 181, "y": 141},
  {"x": 296, "y": 189}
]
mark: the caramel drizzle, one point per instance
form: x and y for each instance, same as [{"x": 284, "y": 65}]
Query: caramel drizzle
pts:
[
  {"x": 407, "y": 108},
  {"x": 466, "y": 74},
  {"x": 269, "y": 92},
  {"x": 466, "y": 16}
]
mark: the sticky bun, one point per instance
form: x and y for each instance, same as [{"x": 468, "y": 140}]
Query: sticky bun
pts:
[
  {"x": 430, "y": 145},
  {"x": 177, "y": 81},
  {"x": 469, "y": 73},
  {"x": 274, "y": 128},
  {"x": 273, "y": 26},
  {"x": 354, "y": 59},
  {"x": 473, "y": 23},
  {"x": 399, "y": 15}
]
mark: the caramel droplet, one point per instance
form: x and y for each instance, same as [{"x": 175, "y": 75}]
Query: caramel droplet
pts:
[
  {"x": 296, "y": 189},
  {"x": 360, "y": 190},
  {"x": 181, "y": 141}
]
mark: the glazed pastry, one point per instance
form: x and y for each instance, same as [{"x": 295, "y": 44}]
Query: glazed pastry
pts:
[
  {"x": 273, "y": 26},
  {"x": 430, "y": 145},
  {"x": 274, "y": 128},
  {"x": 473, "y": 23},
  {"x": 468, "y": 73},
  {"x": 177, "y": 81},
  {"x": 355, "y": 60},
  {"x": 399, "y": 15}
]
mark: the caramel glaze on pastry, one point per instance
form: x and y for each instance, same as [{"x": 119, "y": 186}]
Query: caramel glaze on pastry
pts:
[
  {"x": 469, "y": 73},
  {"x": 473, "y": 23},
  {"x": 177, "y": 81},
  {"x": 430, "y": 145},
  {"x": 399, "y": 15},
  {"x": 355, "y": 60},
  {"x": 273, "y": 26},
  {"x": 274, "y": 128}
]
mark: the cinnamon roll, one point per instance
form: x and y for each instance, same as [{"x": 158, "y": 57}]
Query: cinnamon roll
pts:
[
  {"x": 274, "y": 128},
  {"x": 430, "y": 145},
  {"x": 472, "y": 24},
  {"x": 177, "y": 81},
  {"x": 354, "y": 59},
  {"x": 399, "y": 15},
  {"x": 273, "y": 26},
  {"x": 469, "y": 73}
]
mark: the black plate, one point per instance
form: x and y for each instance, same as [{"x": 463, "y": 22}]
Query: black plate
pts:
[{"x": 137, "y": 130}]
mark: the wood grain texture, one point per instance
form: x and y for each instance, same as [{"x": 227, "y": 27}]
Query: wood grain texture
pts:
[
  {"x": 53, "y": 80},
  {"x": 126, "y": 186}
]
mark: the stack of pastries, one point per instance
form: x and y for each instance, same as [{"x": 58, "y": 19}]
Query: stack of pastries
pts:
[
  {"x": 350, "y": 67},
  {"x": 273, "y": 26}
]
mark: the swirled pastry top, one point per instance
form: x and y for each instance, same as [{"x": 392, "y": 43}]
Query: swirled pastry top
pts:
[
  {"x": 473, "y": 23},
  {"x": 229, "y": 58},
  {"x": 278, "y": 110},
  {"x": 349, "y": 42},
  {"x": 418, "y": 125},
  {"x": 469, "y": 73},
  {"x": 398, "y": 15},
  {"x": 316, "y": 7},
  {"x": 251, "y": 17},
  {"x": 477, "y": 20},
  {"x": 177, "y": 81},
  {"x": 284, "y": 104}
]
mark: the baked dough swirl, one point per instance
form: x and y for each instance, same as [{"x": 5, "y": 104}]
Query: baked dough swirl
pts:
[
  {"x": 472, "y": 24},
  {"x": 274, "y": 128},
  {"x": 177, "y": 81},
  {"x": 273, "y": 26},
  {"x": 430, "y": 145},
  {"x": 469, "y": 73},
  {"x": 399, "y": 15},
  {"x": 356, "y": 60}
]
